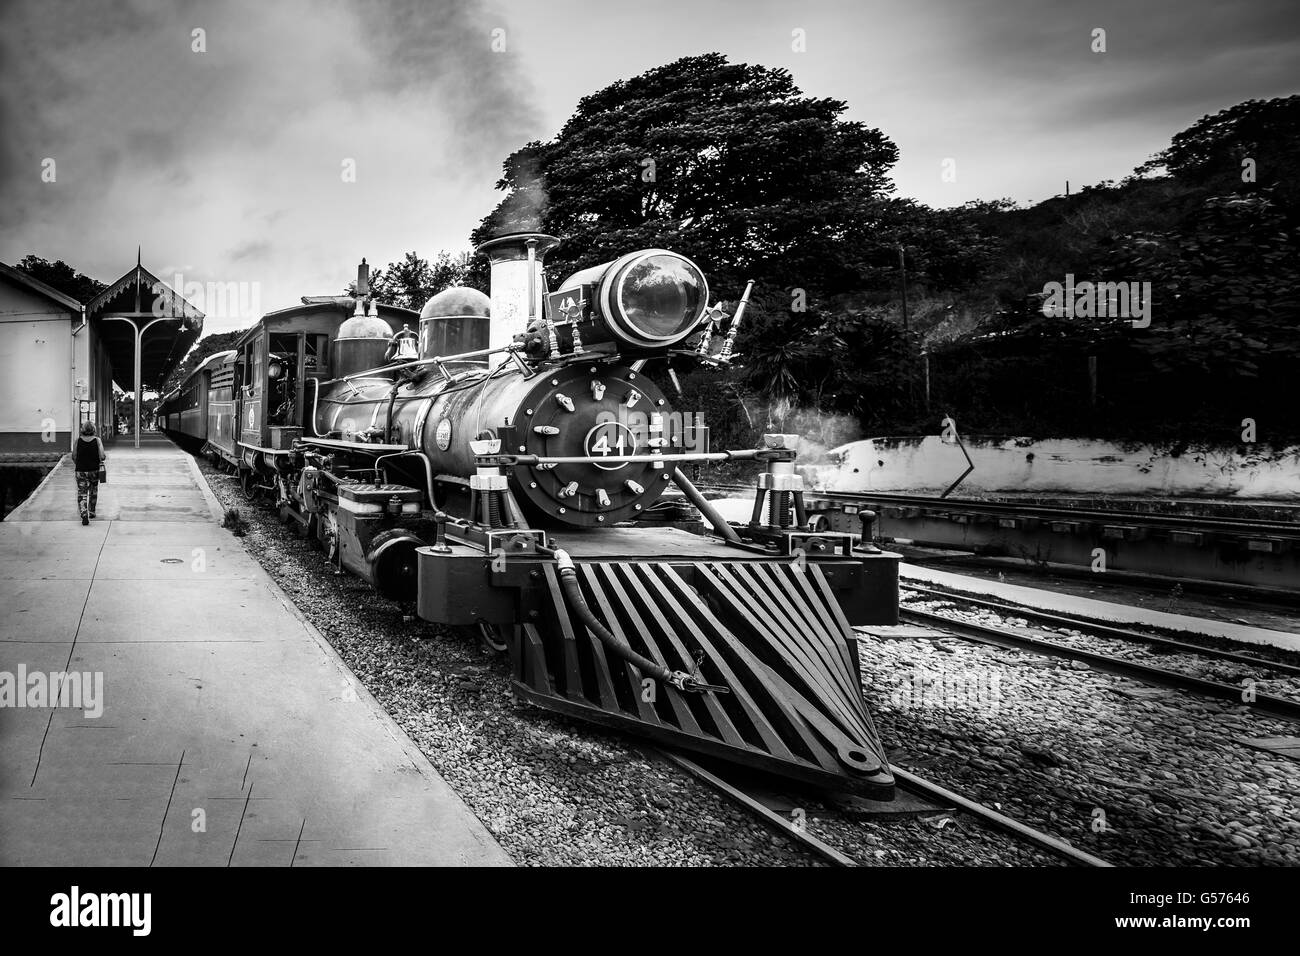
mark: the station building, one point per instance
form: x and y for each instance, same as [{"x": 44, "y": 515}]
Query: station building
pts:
[{"x": 59, "y": 359}]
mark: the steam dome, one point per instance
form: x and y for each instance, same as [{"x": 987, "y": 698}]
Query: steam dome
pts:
[{"x": 455, "y": 321}]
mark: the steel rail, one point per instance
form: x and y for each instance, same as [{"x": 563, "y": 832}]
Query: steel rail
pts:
[
  {"x": 1046, "y": 512},
  {"x": 1104, "y": 630},
  {"x": 1060, "y": 513},
  {"x": 910, "y": 781},
  {"x": 1263, "y": 703},
  {"x": 1001, "y": 821},
  {"x": 768, "y": 816}
]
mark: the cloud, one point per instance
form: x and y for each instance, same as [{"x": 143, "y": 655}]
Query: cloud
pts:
[
  {"x": 252, "y": 249},
  {"x": 231, "y": 157}
]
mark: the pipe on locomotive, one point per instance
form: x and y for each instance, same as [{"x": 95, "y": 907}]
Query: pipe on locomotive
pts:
[{"x": 578, "y": 604}]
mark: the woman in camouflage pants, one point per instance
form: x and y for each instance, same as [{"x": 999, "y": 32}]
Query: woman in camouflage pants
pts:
[{"x": 88, "y": 456}]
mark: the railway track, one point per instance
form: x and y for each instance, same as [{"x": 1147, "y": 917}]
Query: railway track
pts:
[
  {"x": 907, "y": 781},
  {"x": 1265, "y": 704},
  {"x": 1098, "y": 629},
  {"x": 1256, "y": 557},
  {"x": 1190, "y": 523}
]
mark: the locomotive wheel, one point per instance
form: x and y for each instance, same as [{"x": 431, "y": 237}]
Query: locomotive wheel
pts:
[
  {"x": 306, "y": 529},
  {"x": 248, "y": 484},
  {"x": 491, "y": 637},
  {"x": 329, "y": 538}
]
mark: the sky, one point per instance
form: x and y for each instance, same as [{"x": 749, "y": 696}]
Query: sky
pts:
[{"x": 231, "y": 164}]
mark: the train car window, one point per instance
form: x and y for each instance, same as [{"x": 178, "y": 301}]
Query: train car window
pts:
[
  {"x": 316, "y": 354},
  {"x": 255, "y": 347},
  {"x": 283, "y": 377}
]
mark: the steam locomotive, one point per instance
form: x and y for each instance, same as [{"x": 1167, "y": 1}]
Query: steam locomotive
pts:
[{"x": 508, "y": 465}]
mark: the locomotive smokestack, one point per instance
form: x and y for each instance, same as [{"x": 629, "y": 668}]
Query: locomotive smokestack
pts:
[{"x": 517, "y": 282}]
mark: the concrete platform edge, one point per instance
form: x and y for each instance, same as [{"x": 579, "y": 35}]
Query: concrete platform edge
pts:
[
  {"x": 16, "y": 514},
  {"x": 403, "y": 740}
]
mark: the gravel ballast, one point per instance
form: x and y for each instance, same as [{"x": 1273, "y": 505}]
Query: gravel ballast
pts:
[
  {"x": 1135, "y": 774},
  {"x": 556, "y": 792}
]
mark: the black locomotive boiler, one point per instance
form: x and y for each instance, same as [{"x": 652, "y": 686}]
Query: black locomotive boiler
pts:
[{"x": 504, "y": 467}]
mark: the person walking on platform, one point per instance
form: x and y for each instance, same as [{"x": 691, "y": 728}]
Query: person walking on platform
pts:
[{"x": 88, "y": 457}]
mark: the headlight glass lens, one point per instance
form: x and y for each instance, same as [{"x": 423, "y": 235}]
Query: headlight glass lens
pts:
[{"x": 662, "y": 296}]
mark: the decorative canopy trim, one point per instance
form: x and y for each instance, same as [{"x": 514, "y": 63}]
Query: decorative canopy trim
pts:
[{"x": 152, "y": 295}]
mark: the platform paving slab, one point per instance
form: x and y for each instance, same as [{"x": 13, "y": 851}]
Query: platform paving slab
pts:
[{"x": 231, "y": 733}]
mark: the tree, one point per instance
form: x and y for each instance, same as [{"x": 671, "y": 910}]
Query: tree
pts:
[
  {"x": 733, "y": 166},
  {"x": 1225, "y": 284},
  {"x": 59, "y": 275},
  {"x": 206, "y": 347},
  {"x": 411, "y": 282},
  {"x": 1259, "y": 136},
  {"x": 126, "y": 409},
  {"x": 729, "y": 164}
]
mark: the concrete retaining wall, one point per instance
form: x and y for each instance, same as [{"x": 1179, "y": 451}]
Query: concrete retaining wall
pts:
[{"x": 1070, "y": 466}]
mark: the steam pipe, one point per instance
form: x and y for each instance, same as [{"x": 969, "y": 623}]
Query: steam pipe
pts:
[
  {"x": 428, "y": 468},
  {"x": 392, "y": 401},
  {"x": 578, "y": 604},
  {"x": 532, "y": 279}
]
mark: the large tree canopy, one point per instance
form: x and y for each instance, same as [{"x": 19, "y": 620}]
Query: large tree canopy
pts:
[
  {"x": 1256, "y": 142},
  {"x": 733, "y": 166},
  {"x": 207, "y": 346},
  {"x": 727, "y": 163},
  {"x": 59, "y": 275},
  {"x": 413, "y": 281}
]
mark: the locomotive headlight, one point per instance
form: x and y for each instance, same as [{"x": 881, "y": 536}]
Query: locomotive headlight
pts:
[{"x": 649, "y": 299}]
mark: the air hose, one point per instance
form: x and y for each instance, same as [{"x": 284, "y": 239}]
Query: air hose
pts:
[{"x": 578, "y": 604}]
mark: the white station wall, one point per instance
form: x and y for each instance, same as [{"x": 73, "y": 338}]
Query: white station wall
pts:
[{"x": 35, "y": 364}]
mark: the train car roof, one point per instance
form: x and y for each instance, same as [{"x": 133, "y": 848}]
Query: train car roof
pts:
[
  {"x": 216, "y": 358},
  {"x": 343, "y": 306}
]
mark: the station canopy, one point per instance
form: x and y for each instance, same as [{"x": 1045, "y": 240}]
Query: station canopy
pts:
[{"x": 140, "y": 300}]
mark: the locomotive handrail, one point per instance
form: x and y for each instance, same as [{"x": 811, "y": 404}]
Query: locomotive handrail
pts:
[
  {"x": 513, "y": 347},
  {"x": 428, "y": 468},
  {"x": 744, "y": 454},
  {"x": 361, "y": 446}
]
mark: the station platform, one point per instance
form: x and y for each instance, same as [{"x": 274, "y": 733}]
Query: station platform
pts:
[{"x": 231, "y": 734}]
